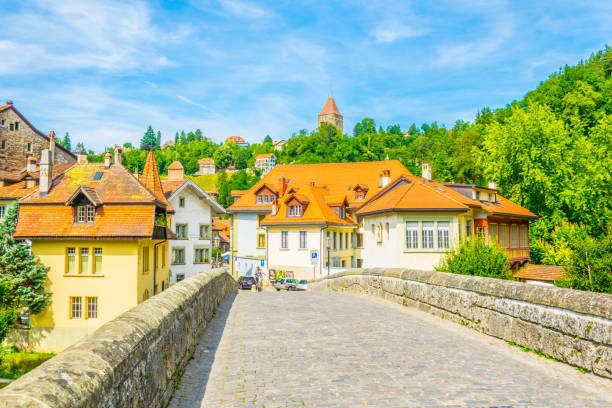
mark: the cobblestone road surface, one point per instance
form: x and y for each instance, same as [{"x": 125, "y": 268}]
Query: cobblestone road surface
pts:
[{"x": 318, "y": 349}]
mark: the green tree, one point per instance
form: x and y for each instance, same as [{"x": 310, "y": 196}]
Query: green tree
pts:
[
  {"x": 224, "y": 156},
  {"x": 476, "y": 257},
  {"x": 149, "y": 139},
  {"x": 267, "y": 139},
  {"x": 224, "y": 189},
  {"x": 590, "y": 266},
  {"x": 65, "y": 143},
  {"x": 158, "y": 140},
  {"x": 26, "y": 274}
]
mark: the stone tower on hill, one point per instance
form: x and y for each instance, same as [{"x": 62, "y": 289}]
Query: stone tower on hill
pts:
[{"x": 331, "y": 114}]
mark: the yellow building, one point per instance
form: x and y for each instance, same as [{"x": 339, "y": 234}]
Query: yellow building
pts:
[{"x": 103, "y": 234}]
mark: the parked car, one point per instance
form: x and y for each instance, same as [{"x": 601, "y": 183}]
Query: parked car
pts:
[
  {"x": 302, "y": 285},
  {"x": 246, "y": 282},
  {"x": 287, "y": 284}
]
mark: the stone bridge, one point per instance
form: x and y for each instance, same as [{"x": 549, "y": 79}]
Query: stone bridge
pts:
[{"x": 202, "y": 344}]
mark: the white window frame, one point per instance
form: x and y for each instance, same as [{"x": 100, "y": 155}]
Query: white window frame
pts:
[
  {"x": 284, "y": 239},
  {"x": 416, "y": 224},
  {"x": 412, "y": 234},
  {"x": 76, "y": 308},
  {"x": 443, "y": 234},
  {"x": 174, "y": 260},
  {"x": 92, "y": 307},
  {"x": 303, "y": 239}
]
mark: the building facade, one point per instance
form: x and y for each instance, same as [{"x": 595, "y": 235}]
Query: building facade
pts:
[
  {"x": 104, "y": 236},
  {"x": 317, "y": 219},
  {"x": 207, "y": 166},
  {"x": 331, "y": 114},
  {"x": 191, "y": 251},
  {"x": 19, "y": 139},
  {"x": 265, "y": 162},
  {"x": 238, "y": 140}
]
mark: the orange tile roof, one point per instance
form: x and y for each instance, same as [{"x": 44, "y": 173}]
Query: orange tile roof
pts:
[
  {"x": 238, "y": 193},
  {"x": 16, "y": 190},
  {"x": 150, "y": 178},
  {"x": 125, "y": 207},
  {"x": 170, "y": 186},
  {"x": 338, "y": 178},
  {"x": 503, "y": 206},
  {"x": 176, "y": 165},
  {"x": 223, "y": 237},
  {"x": 235, "y": 139},
  {"x": 206, "y": 160},
  {"x": 264, "y": 156},
  {"x": 112, "y": 221},
  {"x": 330, "y": 107},
  {"x": 317, "y": 211},
  {"x": 409, "y": 193},
  {"x": 540, "y": 272}
]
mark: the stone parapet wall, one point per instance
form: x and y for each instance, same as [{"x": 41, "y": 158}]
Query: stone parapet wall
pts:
[
  {"x": 132, "y": 361},
  {"x": 569, "y": 325}
]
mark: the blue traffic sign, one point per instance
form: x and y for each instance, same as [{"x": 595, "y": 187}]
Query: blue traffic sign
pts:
[{"x": 314, "y": 254}]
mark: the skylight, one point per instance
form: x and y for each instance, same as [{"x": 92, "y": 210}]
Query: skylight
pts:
[{"x": 98, "y": 175}]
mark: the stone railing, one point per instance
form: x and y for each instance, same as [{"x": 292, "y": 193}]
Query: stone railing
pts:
[
  {"x": 569, "y": 325},
  {"x": 132, "y": 361}
]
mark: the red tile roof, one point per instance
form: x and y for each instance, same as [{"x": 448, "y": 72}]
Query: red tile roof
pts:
[
  {"x": 125, "y": 207},
  {"x": 235, "y": 139},
  {"x": 176, "y": 165},
  {"x": 338, "y": 178},
  {"x": 170, "y": 186},
  {"x": 540, "y": 272},
  {"x": 330, "y": 107},
  {"x": 150, "y": 178}
]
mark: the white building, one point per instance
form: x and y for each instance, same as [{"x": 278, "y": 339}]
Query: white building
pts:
[
  {"x": 190, "y": 254},
  {"x": 265, "y": 162},
  {"x": 207, "y": 166}
]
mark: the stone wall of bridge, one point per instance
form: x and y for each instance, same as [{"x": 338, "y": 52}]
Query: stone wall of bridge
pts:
[
  {"x": 135, "y": 360},
  {"x": 569, "y": 325}
]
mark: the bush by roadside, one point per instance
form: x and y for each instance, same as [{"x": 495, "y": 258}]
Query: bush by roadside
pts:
[{"x": 476, "y": 257}]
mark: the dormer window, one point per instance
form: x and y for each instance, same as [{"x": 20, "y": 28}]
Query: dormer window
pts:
[
  {"x": 295, "y": 211},
  {"x": 86, "y": 214},
  {"x": 359, "y": 195}
]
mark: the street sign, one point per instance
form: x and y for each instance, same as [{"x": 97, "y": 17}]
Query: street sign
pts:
[
  {"x": 262, "y": 263},
  {"x": 314, "y": 256}
]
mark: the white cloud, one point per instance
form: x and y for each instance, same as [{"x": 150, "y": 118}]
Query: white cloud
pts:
[
  {"x": 106, "y": 35},
  {"x": 390, "y": 32},
  {"x": 243, "y": 9}
]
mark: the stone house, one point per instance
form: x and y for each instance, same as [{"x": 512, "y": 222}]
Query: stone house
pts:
[
  {"x": 19, "y": 139},
  {"x": 330, "y": 114}
]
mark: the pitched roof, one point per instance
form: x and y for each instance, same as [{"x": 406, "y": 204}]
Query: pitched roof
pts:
[
  {"x": 128, "y": 208},
  {"x": 57, "y": 221},
  {"x": 170, "y": 186},
  {"x": 16, "y": 190},
  {"x": 264, "y": 156},
  {"x": 206, "y": 160},
  {"x": 338, "y": 178},
  {"x": 235, "y": 139},
  {"x": 317, "y": 212},
  {"x": 150, "y": 178},
  {"x": 541, "y": 272},
  {"x": 27, "y": 122},
  {"x": 176, "y": 165},
  {"x": 330, "y": 107}
]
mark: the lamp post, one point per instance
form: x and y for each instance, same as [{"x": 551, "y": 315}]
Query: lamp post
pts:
[{"x": 328, "y": 241}]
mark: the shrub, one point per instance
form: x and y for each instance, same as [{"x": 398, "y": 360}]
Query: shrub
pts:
[{"x": 476, "y": 257}]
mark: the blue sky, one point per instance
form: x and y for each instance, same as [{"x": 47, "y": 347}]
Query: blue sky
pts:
[{"x": 105, "y": 70}]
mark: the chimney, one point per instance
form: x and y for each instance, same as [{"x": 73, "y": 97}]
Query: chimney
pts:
[
  {"x": 82, "y": 157},
  {"x": 386, "y": 178},
  {"x": 426, "y": 171},
  {"x": 117, "y": 157},
  {"x": 107, "y": 160},
  {"x": 274, "y": 207},
  {"x": 9, "y": 102},
  {"x": 176, "y": 172},
  {"x": 492, "y": 185},
  {"x": 46, "y": 172},
  {"x": 283, "y": 187},
  {"x": 30, "y": 182},
  {"x": 31, "y": 164},
  {"x": 52, "y": 145}
]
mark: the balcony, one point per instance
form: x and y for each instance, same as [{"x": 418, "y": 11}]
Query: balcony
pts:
[{"x": 518, "y": 254}]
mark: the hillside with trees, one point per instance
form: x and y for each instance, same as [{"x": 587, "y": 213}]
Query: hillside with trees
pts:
[{"x": 549, "y": 152}]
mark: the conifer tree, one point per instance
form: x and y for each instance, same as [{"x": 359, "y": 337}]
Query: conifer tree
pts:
[
  {"x": 22, "y": 269},
  {"x": 149, "y": 138},
  {"x": 66, "y": 142},
  {"x": 158, "y": 140}
]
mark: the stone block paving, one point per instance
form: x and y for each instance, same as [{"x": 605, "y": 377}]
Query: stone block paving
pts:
[{"x": 319, "y": 349}]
